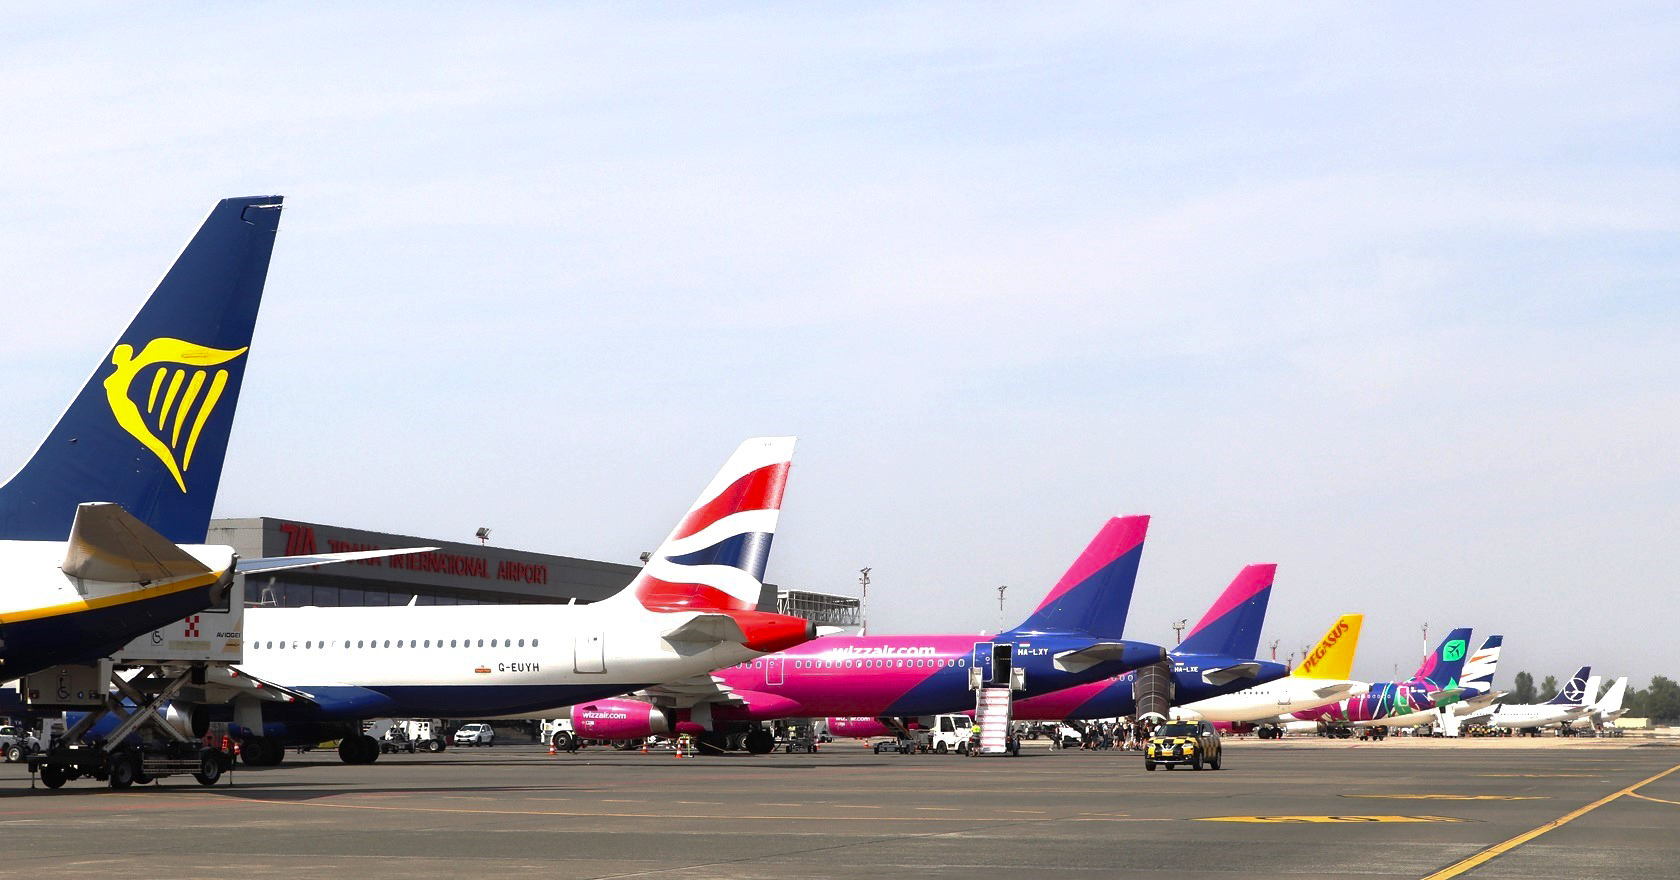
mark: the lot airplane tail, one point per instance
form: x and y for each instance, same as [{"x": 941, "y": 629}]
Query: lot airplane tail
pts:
[
  {"x": 149, "y": 430},
  {"x": 1574, "y": 691},
  {"x": 1095, "y": 594},
  {"x": 1332, "y": 658}
]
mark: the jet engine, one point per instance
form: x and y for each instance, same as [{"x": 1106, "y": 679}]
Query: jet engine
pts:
[
  {"x": 619, "y": 719},
  {"x": 191, "y": 721}
]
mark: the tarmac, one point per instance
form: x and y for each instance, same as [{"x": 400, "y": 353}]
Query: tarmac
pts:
[{"x": 1305, "y": 808}]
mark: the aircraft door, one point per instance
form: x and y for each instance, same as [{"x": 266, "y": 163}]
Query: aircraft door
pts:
[
  {"x": 773, "y": 669},
  {"x": 983, "y": 660},
  {"x": 590, "y": 653}
]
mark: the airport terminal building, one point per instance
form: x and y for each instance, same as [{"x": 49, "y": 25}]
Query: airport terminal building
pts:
[{"x": 454, "y": 574}]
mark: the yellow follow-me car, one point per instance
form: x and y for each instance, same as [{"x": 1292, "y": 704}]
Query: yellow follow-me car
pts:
[{"x": 1184, "y": 742}]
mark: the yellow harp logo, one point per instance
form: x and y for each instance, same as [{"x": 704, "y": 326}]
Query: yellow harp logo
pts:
[{"x": 169, "y": 405}]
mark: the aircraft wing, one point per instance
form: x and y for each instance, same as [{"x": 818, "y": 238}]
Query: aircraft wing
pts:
[
  {"x": 109, "y": 544},
  {"x": 1226, "y": 674},
  {"x": 705, "y": 629},
  {"x": 1332, "y": 691},
  {"x": 692, "y": 691},
  {"x": 282, "y": 563},
  {"x": 224, "y": 683},
  {"x": 1446, "y": 695},
  {"x": 1087, "y": 657}
]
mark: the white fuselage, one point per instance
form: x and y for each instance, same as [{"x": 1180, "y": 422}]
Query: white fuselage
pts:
[
  {"x": 1528, "y": 715},
  {"x": 1272, "y": 700},
  {"x": 486, "y": 659}
]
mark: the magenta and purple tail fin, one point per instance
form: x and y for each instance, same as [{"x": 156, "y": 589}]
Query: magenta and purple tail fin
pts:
[
  {"x": 1444, "y": 666},
  {"x": 1096, "y": 593},
  {"x": 1231, "y": 628}
]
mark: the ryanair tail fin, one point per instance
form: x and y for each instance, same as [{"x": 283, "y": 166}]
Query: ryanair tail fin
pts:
[
  {"x": 1231, "y": 628},
  {"x": 150, "y": 429},
  {"x": 1095, "y": 594},
  {"x": 1332, "y": 657}
]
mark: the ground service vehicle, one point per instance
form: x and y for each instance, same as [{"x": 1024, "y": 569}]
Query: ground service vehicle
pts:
[
  {"x": 16, "y": 743},
  {"x": 1195, "y": 743},
  {"x": 475, "y": 734}
]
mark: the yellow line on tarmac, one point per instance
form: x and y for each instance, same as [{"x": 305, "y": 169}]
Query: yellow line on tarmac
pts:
[
  {"x": 1646, "y": 797},
  {"x": 1491, "y": 852},
  {"x": 1454, "y": 797}
]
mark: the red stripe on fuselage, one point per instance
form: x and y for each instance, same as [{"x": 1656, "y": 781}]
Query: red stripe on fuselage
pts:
[{"x": 759, "y": 490}]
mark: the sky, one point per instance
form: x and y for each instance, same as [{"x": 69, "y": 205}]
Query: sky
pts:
[{"x": 1385, "y": 295}]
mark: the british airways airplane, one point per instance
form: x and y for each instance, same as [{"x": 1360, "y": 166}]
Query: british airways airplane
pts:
[
  {"x": 1214, "y": 659},
  {"x": 101, "y": 532},
  {"x": 1070, "y": 639},
  {"x": 690, "y": 610}
]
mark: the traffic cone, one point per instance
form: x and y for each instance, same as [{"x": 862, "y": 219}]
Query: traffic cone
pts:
[
  {"x": 644, "y": 746},
  {"x": 551, "y": 749}
]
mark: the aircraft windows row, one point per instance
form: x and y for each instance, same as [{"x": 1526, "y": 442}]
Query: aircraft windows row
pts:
[
  {"x": 918, "y": 663},
  {"x": 401, "y": 643}
]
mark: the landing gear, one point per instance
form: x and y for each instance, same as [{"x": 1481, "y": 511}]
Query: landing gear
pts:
[
  {"x": 712, "y": 743},
  {"x": 261, "y": 751},
  {"x": 358, "y": 749},
  {"x": 760, "y": 742}
]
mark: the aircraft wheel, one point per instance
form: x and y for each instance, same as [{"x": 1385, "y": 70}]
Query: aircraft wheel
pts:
[
  {"x": 209, "y": 769},
  {"x": 53, "y": 776},
  {"x": 759, "y": 742},
  {"x": 123, "y": 770}
]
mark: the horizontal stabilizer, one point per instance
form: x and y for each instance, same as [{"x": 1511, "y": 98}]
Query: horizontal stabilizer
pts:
[
  {"x": 1085, "y": 658},
  {"x": 282, "y": 563},
  {"x": 1333, "y": 691},
  {"x": 829, "y": 631},
  {"x": 1446, "y": 695},
  {"x": 706, "y": 628},
  {"x": 1227, "y": 674},
  {"x": 107, "y": 544}
]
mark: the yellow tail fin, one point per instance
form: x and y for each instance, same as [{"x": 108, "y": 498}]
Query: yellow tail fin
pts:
[{"x": 1333, "y": 657}]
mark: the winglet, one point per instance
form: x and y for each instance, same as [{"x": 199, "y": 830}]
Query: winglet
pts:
[
  {"x": 1332, "y": 657},
  {"x": 149, "y": 430}
]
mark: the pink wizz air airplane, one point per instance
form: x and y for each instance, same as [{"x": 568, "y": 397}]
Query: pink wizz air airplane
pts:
[{"x": 899, "y": 678}]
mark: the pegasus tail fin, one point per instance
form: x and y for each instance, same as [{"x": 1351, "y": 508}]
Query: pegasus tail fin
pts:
[
  {"x": 1231, "y": 628},
  {"x": 150, "y": 429},
  {"x": 715, "y": 558},
  {"x": 1332, "y": 657},
  {"x": 1095, "y": 594}
]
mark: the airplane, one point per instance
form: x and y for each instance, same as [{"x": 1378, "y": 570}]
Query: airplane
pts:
[
  {"x": 1606, "y": 709},
  {"x": 690, "y": 610},
  {"x": 1436, "y": 683},
  {"x": 1322, "y": 678},
  {"x": 902, "y": 679},
  {"x": 1214, "y": 659},
  {"x": 1570, "y": 703},
  {"x": 102, "y": 530},
  {"x": 1475, "y": 691}
]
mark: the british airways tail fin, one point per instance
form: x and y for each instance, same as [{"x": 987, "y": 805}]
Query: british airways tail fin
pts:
[
  {"x": 1574, "y": 691},
  {"x": 150, "y": 429},
  {"x": 1095, "y": 594},
  {"x": 1445, "y": 665},
  {"x": 1231, "y": 628},
  {"x": 1332, "y": 657},
  {"x": 1479, "y": 669},
  {"x": 715, "y": 558}
]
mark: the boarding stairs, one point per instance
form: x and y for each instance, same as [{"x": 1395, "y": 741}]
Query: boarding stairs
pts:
[{"x": 993, "y": 710}]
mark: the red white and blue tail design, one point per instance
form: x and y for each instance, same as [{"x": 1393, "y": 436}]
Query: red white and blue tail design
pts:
[{"x": 714, "y": 559}]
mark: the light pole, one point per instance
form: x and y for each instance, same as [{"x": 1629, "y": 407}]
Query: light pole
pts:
[
  {"x": 1426, "y": 641},
  {"x": 1178, "y": 629},
  {"x": 1274, "y": 649},
  {"x": 863, "y": 603},
  {"x": 1000, "y": 606}
]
